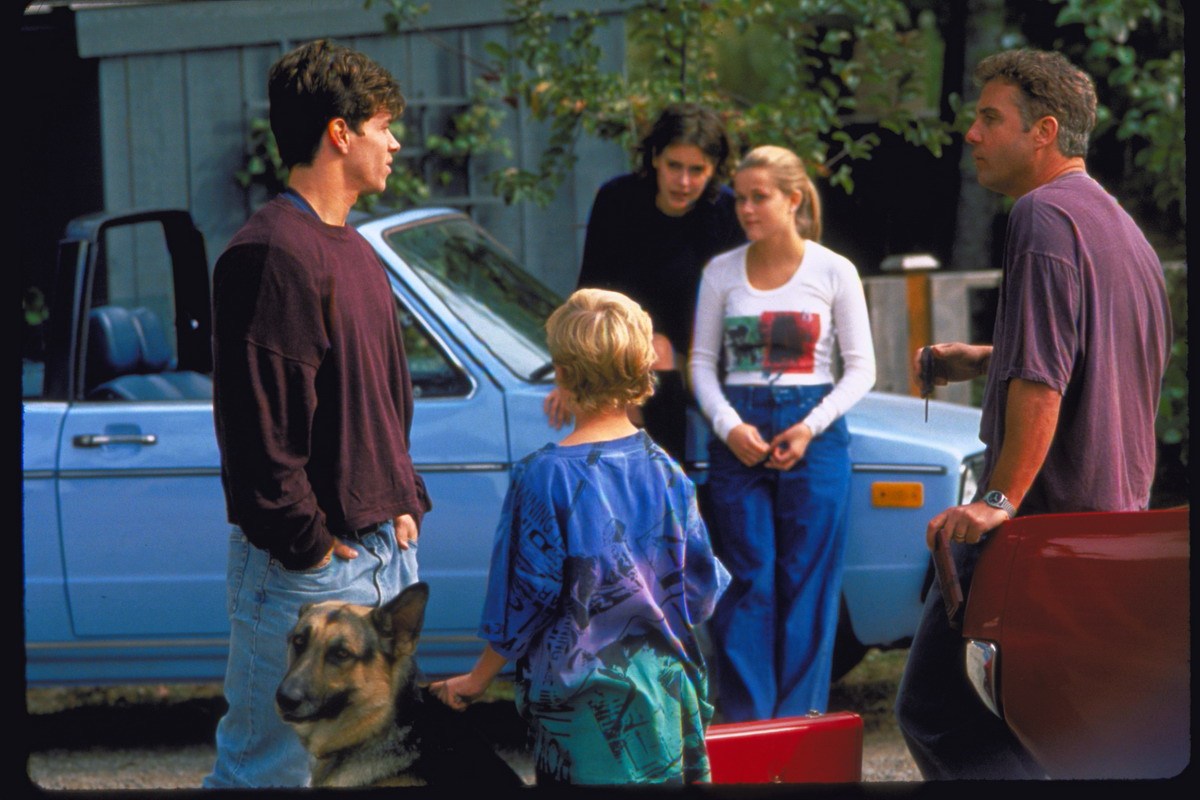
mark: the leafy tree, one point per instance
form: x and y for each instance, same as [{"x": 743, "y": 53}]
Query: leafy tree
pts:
[
  {"x": 795, "y": 74},
  {"x": 1134, "y": 50},
  {"x": 1172, "y": 423},
  {"x": 828, "y": 63}
]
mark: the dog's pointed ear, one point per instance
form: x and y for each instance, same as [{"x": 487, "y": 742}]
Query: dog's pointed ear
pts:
[{"x": 405, "y": 614}]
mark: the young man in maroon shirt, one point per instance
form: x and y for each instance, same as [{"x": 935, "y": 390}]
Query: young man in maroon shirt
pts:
[{"x": 312, "y": 399}]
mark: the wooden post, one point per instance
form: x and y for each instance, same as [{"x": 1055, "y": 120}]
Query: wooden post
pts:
[{"x": 920, "y": 326}]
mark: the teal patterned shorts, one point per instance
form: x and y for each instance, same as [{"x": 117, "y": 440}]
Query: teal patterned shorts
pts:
[{"x": 640, "y": 719}]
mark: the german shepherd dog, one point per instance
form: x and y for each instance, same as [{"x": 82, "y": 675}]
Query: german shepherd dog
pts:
[{"x": 351, "y": 693}]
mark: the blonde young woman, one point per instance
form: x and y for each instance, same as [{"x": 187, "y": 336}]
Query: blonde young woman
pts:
[{"x": 776, "y": 310}]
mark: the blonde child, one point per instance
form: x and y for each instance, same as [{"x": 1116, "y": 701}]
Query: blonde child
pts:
[{"x": 601, "y": 570}]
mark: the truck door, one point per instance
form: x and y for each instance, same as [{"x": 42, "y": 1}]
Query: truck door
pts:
[{"x": 141, "y": 510}]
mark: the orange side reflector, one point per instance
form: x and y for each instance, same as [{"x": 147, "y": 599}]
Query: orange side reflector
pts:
[{"x": 897, "y": 494}]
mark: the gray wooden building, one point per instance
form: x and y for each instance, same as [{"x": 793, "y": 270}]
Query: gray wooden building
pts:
[
  {"x": 149, "y": 104},
  {"x": 177, "y": 85}
]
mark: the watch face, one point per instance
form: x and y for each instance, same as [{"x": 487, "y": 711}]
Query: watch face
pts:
[{"x": 996, "y": 499}]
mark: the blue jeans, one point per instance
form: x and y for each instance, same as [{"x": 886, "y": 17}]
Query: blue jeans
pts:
[
  {"x": 255, "y": 748},
  {"x": 950, "y": 733},
  {"x": 782, "y": 536}
]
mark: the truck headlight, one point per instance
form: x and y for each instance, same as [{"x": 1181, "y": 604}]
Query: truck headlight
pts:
[{"x": 968, "y": 482}]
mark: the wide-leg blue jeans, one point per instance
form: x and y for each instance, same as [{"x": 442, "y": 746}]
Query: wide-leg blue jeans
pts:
[
  {"x": 782, "y": 536},
  {"x": 255, "y": 748}
]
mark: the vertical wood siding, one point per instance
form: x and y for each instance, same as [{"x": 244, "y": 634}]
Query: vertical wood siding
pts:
[{"x": 174, "y": 123}]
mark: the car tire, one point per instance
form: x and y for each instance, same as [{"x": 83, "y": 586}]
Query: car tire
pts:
[{"x": 848, "y": 651}]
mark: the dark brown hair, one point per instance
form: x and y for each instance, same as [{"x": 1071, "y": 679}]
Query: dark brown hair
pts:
[
  {"x": 689, "y": 123},
  {"x": 1050, "y": 86},
  {"x": 319, "y": 82}
]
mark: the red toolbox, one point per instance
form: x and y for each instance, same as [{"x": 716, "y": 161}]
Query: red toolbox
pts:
[{"x": 819, "y": 748}]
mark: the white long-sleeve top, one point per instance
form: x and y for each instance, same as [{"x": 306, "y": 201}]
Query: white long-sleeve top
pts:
[{"x": 783, "y": 336}]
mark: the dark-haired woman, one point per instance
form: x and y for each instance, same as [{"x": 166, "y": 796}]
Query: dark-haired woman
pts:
[{"x": 649, "y": 235}]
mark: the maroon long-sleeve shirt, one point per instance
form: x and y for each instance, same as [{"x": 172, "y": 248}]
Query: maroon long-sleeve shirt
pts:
[{"x": 312, "y": 397}]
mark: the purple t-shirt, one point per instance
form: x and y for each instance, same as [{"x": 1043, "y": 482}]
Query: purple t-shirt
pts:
[{"x": 1083, "y": 309}]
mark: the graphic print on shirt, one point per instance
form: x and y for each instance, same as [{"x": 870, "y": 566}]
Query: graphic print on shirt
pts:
[
  {"x": 773, "y": 342},
  {"x": 600, "y": 669},
  {"x": 536, "y": 556}
]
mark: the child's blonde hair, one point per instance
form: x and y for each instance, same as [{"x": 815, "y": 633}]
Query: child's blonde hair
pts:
[{"x": 601, "y": 342}]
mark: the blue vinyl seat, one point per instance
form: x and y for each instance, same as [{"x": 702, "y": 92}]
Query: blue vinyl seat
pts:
[{"x": 129, "y": 358}]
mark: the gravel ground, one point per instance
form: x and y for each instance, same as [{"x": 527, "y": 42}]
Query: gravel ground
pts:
[
  {"x": 183, "y": 767},
  {"x": 160, "y": 737}
]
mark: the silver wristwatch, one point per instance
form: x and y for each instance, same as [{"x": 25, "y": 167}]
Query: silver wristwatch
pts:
[{"x": 996, "y": 499}]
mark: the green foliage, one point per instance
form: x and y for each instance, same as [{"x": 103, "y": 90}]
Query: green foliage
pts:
[
  {"x": 557, "y": 81},
  {"x": 816, "y": 67},
  {"x": 401, "y": 14},
  {"x": 33, "y": 307},
  {"x": 1172, "y": 422},
  {"x": 1141, "y": 86},
  {"x": 262, "y": 165},
  {"x": 816, "y": 70}
]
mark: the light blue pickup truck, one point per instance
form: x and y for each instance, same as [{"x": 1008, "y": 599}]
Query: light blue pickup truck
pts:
[{"x": 124, "y": 524}]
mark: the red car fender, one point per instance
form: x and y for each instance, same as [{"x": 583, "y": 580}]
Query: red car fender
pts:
[{"x": 1090, "y": 614}]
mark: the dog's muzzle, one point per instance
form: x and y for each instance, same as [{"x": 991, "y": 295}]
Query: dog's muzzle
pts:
[
  {"x": 288, "y": 704},
  {"x": 296, "y": 705}
]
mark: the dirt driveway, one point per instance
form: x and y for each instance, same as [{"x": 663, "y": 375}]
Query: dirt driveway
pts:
[{"x": 160, "y": 737}]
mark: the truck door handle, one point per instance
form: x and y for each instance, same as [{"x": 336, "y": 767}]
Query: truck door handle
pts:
[{"x": 101, "y": 439}]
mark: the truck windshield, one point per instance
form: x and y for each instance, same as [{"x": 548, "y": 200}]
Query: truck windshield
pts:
[{"x": 485, "y": 288}]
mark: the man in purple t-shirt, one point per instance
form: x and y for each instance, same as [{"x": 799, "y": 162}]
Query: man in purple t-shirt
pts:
[{"x": 1073, "y": 378}]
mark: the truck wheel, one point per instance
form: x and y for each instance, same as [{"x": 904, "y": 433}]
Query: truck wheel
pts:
[{"x": 847, "y": 649}]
